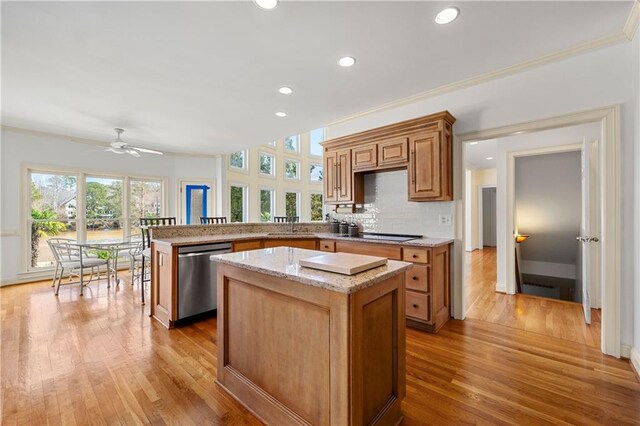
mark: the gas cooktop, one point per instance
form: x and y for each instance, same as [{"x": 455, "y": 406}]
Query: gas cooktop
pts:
[{"x": 388, "y": 237}]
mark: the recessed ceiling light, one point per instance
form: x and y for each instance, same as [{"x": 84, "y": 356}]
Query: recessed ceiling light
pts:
[
  {"x": 447, "y": 15},
  {"x": 346, "y": 61},
  {"x": 267, "y": 4},
  {"x": 489, "y": 158},
  {"x": 281, "y": 114},
  {"x": 285, "y": 90},
  {"x": 473, "y": 143}
]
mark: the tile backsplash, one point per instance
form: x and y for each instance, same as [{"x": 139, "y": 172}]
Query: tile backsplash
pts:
[{"x": 387, "y": 209}]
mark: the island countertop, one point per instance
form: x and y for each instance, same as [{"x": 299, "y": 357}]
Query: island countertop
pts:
[{"x": 283, "y": 262}]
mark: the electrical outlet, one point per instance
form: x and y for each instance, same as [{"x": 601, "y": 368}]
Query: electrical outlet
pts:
[{"x": 444, "y": 220}]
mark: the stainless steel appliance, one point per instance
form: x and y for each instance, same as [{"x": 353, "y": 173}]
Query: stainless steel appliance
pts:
[
  {"x": 197, "y": 278},
  {"x": 389, "y": 237}
]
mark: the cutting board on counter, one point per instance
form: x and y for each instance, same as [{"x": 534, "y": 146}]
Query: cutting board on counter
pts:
[{"x": 343, "y": 263}]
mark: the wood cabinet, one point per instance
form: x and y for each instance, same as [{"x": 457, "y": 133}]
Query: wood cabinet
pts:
[
  {"x": 341, "y": 186},
  {"x": 365, "y": 157},
  {"x": 247, "y": 245},
  {"x": 423, "y": 146},
  {"x": 309, "y": 244},
  {"x": 393, "y": 151},
  {"x": 427, "y": 283}
]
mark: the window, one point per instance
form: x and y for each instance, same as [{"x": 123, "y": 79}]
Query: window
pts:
[
  {"x": 267, "y": 204},
  {"x": 238, "y": 160},
  {"x": 292, "y": 143},
  {"x": 291, "y": 169},
  {"x": 52, "y": 200},
  {"x": 315, "y": 173},
  {"x": 103, "y": 208},
  {"x": 267, "y": 164},
  {"x": 316, "y": 206},
  {"x": 292, "y": 203},
  {"x": 238, "y": 203},
  {"x": 315, "y": 137},
  {"x": 145, "y": 200}
]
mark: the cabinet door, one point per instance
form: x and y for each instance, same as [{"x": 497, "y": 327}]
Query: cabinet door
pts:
[
  {"x": 344, "y": 178},
  {"x": 425, "y": 166},
  {"x": 330, "y": 176},
  {"x": 393, "y": 151},
  {"x": 365, "y": 157}
]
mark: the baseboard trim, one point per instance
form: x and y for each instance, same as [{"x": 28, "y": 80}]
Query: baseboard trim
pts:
[{"x": 635, "y": 361}]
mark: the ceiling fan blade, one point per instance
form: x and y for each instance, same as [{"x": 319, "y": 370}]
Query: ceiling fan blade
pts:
[
  {"x": 148, "y": 151},
  {"x": 133, "y": 152},
  {"x": 116, "y": 150}
]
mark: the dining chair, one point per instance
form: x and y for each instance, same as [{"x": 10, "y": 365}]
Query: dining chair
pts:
[
  {"x": 286, "y": 219},
  {"x": 67, "y": 255},
  {"x": 55, "y": 257},
  {"x": 145, "y": 223},
  {"x": 135, "y": 257},
  {"x": 211, "y": 220}
]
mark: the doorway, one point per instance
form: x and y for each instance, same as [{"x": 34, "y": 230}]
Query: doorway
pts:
[
  {"x": 608, "y": 157},
  {"x": 196, "y": 198},
  {"x": 487, "y": 234}
]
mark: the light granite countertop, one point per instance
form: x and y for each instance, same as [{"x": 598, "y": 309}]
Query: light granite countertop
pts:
[
  {"x": 219, "y": 238},
  {"x": 283, "y": 262}
]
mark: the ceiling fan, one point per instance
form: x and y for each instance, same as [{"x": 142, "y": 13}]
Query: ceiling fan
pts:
[{"x": 118, "y": 146}]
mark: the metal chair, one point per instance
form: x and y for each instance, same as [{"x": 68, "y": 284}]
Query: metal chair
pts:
[
  {"x": 135, "y": 257},
  {"x": 286, "y": 219},
  {"x": 67, "y": 255},
  {"x": 145, "y": 223},
  {"x": 211, "y": 220}
]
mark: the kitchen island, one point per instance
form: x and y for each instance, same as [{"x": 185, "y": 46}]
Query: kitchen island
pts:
[{"x": 302, "y": 346}]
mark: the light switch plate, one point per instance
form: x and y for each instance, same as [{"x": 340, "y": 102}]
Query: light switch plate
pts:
[{"x": 444, "y": 219}]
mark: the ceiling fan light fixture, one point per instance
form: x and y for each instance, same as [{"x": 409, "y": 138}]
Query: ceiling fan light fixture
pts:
[
  {"x": 447, "y": 15},
  {"x": 267, "y": 4}
]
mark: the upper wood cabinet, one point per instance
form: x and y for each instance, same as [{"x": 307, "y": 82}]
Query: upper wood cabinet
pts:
[
  {"x": 340, "y": 184},
  {"x": 393, "y": 151},
  {"x": 365, "y": 157},
  {"x": 423, "y": 146}
]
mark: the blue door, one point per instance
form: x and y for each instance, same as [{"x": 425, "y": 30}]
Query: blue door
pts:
[{"x": 196, "y": 203}]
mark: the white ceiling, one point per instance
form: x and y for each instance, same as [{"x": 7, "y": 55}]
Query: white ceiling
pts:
[
  {"x": 203, "y": 76},
  {"x": 476, "y": 155}
]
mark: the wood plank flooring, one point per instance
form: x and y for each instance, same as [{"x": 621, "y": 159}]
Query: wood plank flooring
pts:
[
  {"x": 99, "y": 359},
  {"x": 546, "y": 316}
]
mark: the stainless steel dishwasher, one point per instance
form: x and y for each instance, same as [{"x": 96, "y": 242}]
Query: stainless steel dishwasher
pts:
[{"x": 197, "y": 278}]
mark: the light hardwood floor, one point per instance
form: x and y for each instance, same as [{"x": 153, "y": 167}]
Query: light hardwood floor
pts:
[
  {"x": 100, "y": 359},
  {"x": 546, "y": 316}
]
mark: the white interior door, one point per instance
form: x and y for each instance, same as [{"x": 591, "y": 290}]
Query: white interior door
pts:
[{"x": 588, "y": 238}]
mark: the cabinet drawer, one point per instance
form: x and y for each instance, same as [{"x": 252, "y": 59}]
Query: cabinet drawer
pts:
[
  {"x": 418, "y": 255},
  {"x": 417, "y": 278},
  {"x": 393, "y": 151},
  {"x": 327, "y": 245},
  {"x": 303, "y": 244},
  {"x": 382, "y": 250},
  {"x": 247, "y": 245},
  {"x": 365, "y": 156},
  {"x": 418, "y": 305}
]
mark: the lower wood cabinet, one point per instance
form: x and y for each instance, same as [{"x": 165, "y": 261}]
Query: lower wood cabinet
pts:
[{"x": 247, "y": 245}]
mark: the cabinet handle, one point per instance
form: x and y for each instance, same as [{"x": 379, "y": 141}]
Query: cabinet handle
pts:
[
  {"x": 415, "y": 306},
  {"x": 415, "y": 256},
  {"x": 414, "y": 278}
]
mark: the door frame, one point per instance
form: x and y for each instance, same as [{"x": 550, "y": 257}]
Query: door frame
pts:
[
  {"x": 480, "y": 218},
  {"x": 609, "y": 119},
  {"x": 180, "y": 203}
]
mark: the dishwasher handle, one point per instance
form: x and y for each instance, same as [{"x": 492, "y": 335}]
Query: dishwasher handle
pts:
[{"x": 203, "y": 253}]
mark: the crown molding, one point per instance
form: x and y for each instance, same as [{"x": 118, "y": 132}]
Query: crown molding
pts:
[
  {"x": 94, "y": 142},
  {"x": 493, "y": 75},
  {"x": 631, "y": 26}
]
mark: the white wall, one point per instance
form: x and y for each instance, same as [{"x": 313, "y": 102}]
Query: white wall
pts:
[
  {"x": 477, "y": 178},
  {"x": 582, "y": 82},
  {"x": 635, "y": 355},
  {"x": 19, "y": 148},
  {"x": 548, "y": 207}
]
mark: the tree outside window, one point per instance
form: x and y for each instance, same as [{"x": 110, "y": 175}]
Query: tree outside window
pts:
[
  {"x": 237, "y": 203},
  {"x": 291, "y": 203},
  {"x": 292, "y": 143},
  {"x": 316, "y": 207},
  {"x": 267, "y": 164},
  {"x": 315, "y": 173},
  {"x": 291, "y": 169},
  {"x": 266, "y": 204},
  {"x": 237, "y": 160}
]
